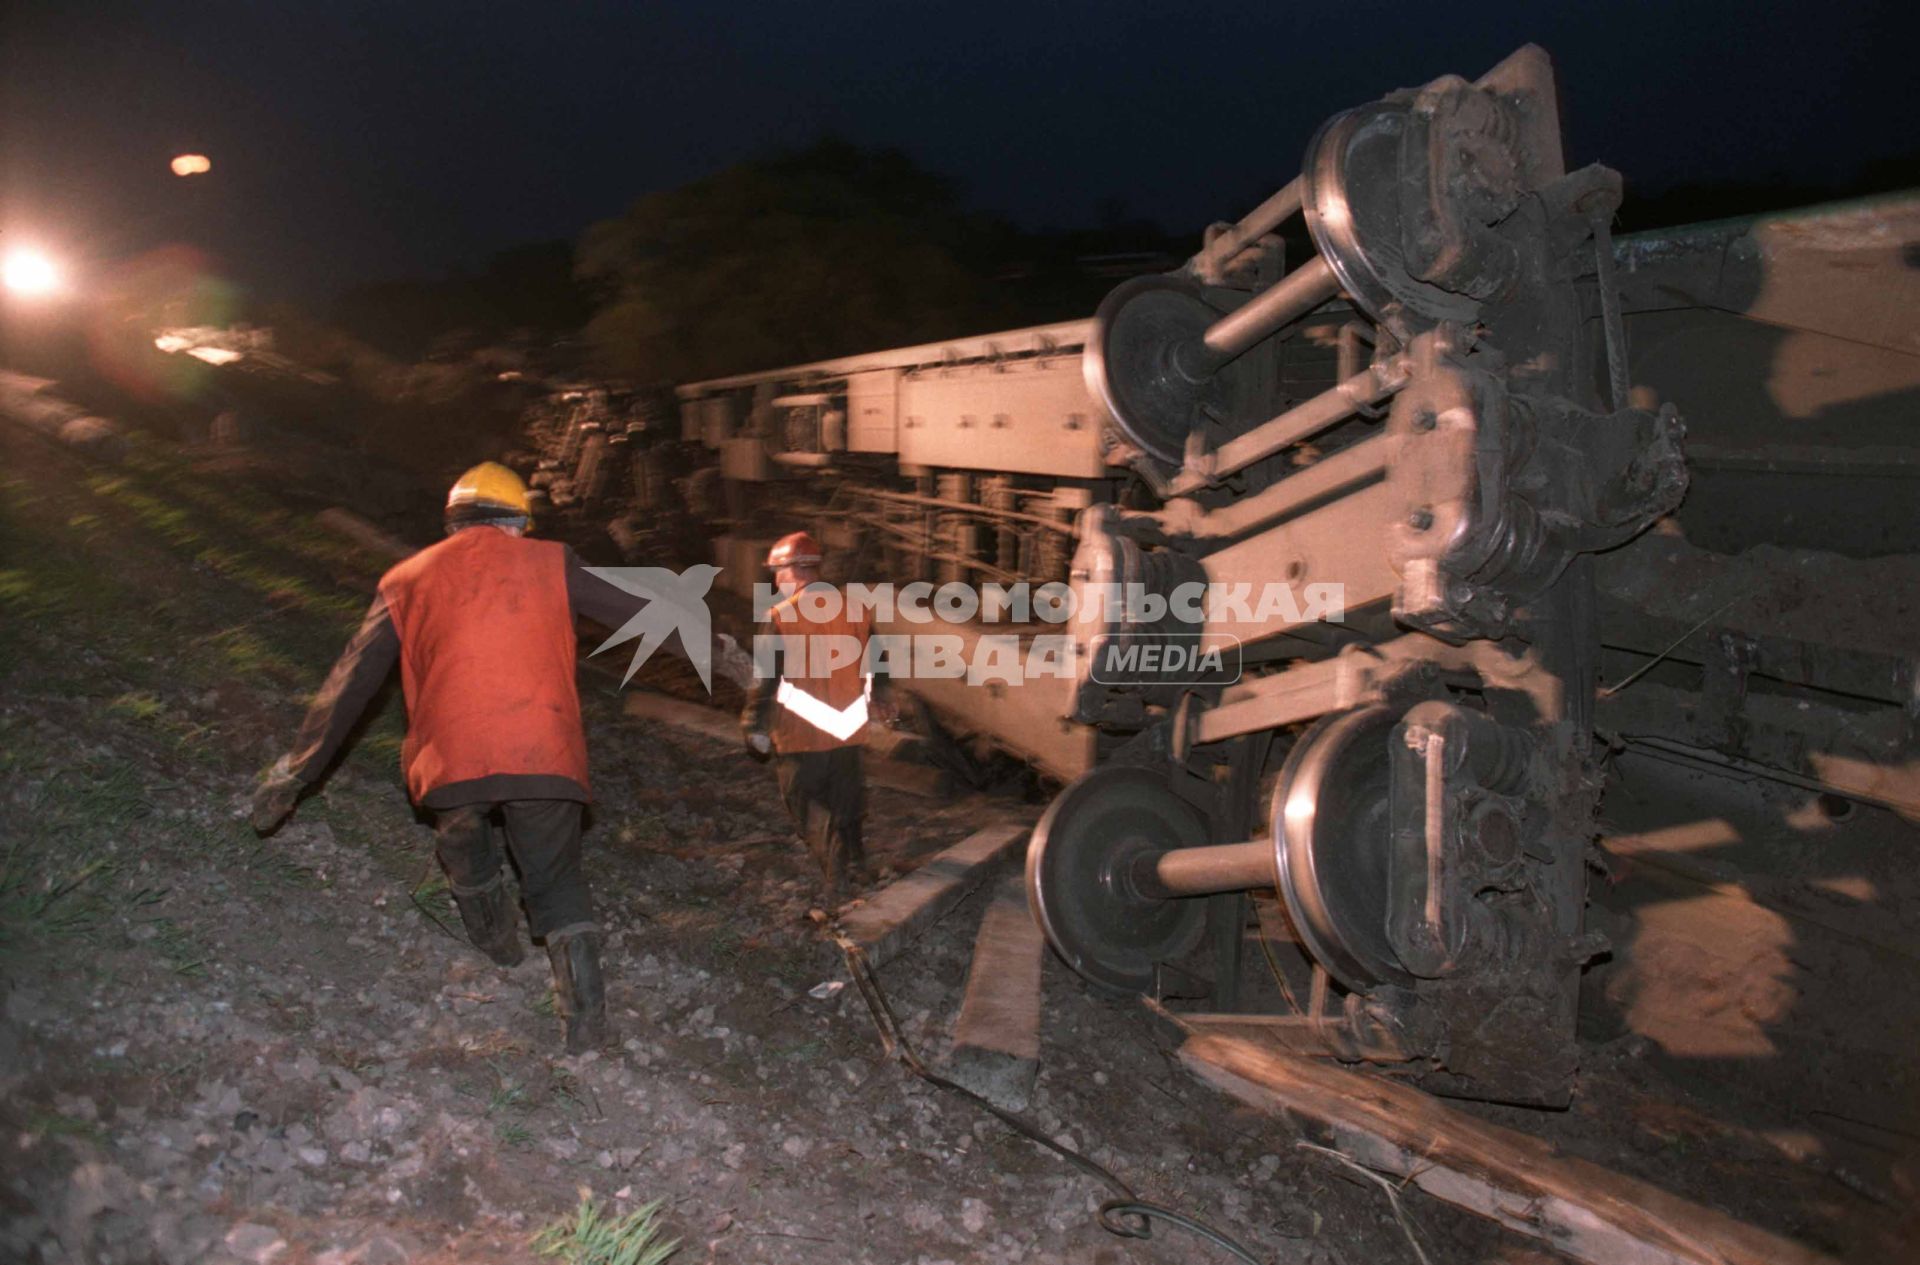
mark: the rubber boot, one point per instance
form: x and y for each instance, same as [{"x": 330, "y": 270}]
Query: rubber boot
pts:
[
  {"x": 822, "y": 847},
  {"x": 580, "y": 994},
  {"x": 853, "y": 858},
  {"x": 492, "y": 923},
  {"x": 833, "y": 878}
]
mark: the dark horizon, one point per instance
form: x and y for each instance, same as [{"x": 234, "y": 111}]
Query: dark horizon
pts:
[{"x": 367, "y": 143}]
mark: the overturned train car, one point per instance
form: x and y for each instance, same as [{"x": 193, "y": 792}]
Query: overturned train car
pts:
[{"x": 1434, "y": 411}]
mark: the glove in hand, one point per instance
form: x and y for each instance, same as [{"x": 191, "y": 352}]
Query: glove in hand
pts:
[
  {"x": 734, "y": 663},
  {"x": 274, "y": 798}
]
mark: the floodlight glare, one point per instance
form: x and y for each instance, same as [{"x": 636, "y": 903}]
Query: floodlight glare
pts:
[{"x": 29, "y": 273}]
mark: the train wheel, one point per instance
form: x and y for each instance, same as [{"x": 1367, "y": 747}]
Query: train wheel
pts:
[
  {"x": 1332, "y": 835},
  {"x": 1079, "y": 882}
]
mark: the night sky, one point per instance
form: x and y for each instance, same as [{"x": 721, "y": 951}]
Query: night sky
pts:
[{"x": 355, "y": 141}]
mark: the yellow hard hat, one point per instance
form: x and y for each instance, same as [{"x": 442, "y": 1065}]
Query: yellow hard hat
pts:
[{"x": 488, "y": 491}]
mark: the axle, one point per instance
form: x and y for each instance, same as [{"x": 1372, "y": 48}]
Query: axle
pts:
[
  {"x": 1257, "y": 223},
  {"x": 1206, "y": 871}
]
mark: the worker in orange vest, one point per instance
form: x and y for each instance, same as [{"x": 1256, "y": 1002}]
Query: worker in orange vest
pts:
[
  {"x": 810, "y": 706},
  {"x": 482, "y": 627}
]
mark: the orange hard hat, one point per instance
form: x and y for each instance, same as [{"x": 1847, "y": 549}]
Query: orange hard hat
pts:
[{"x": 796, "y": 549}]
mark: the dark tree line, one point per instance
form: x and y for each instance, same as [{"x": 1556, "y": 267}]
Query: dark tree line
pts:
[
  {"x": 838, "y": 249},
  {"x": 801, "y": 256},
  {"x": 529, "y": 288}
]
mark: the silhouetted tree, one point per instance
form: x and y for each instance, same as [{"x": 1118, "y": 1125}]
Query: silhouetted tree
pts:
[
  {"x": 824, "y": 252},
  {"x": 529, "y": 287}
]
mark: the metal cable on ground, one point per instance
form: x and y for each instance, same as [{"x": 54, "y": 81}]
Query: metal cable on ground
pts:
[
  {"x": 1279, "y": 976},
  {"x": 1128, "y": 1215}
]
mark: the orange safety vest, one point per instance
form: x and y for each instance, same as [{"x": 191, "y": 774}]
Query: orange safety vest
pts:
[
  {"x": 486, "y": 660},
  {"x": 820, "y": 702}
]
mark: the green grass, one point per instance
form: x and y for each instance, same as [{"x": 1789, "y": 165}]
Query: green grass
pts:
[
  {"x": 588, "y": 1236},
  {"x": 177, "y": 947},
  {"x": 74, "y": 868},
  {"x": 725, "y": 944},
  {"x": 507, "y": 1096},
  {"x": 432, "y": 899},
  {"x": 146, "y": 587},
  {"x": 139, "y": 705},
  {"x": 52, "y": 1124},
  {"x": 566, "y": 1094},
  {"x": 267, "y": 864},
  {"x": 58, "y": 878},
  {"x": 125, "y": 597},
  {"x": 506, "y": 1104},
  {"x": 249, "y": 657},
  {"x": 802, "y": 1052},
  {"x": 129, "y": 571},
  {"x": 36, "y": 903}
]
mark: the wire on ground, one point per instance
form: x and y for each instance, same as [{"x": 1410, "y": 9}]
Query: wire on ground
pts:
[{"x": 1126, "y": 1215}]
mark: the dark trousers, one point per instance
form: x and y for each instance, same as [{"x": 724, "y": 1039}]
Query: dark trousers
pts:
[
  {"x": 826, "y": 795},
  {"x": 544, "y": 838}
]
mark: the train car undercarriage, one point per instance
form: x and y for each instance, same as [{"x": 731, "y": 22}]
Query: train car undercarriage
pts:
[{"x": 1435, "y": 412}]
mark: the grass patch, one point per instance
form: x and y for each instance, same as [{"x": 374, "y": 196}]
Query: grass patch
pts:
[
  {"x": 17, "y": 590},
  {"x": 726, "y": 945},
  {"x": 507, "y": 1096},
  {"x": 51, "y": 1124},
  {"x": 177, "y": 947},
  {"x": 434, "y": 892},
  {"x": 252, "y": 658},
  {"x": 268, "y": 865},
  {"x": 377, "y": 750},
  {"x": 140, "y": 705},
  {"x": 506, "y": 1103},
  {"x": 569, "y": 1096},
  {"x": 803, "y": 1051},
  {"x": 35, "y": 903},
  {"x": 59, "y": 878},
  {"x": 589, "y": 1236},
  {"x": 122, "y": 576}
]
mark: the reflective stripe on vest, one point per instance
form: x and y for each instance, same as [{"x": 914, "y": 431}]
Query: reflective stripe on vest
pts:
[{"x": 841, "y": 722}]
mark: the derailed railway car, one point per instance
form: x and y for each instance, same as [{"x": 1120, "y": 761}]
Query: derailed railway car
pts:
[
  {"x": 1436, "y": 412},
  {"x": 954, "y": 460}
]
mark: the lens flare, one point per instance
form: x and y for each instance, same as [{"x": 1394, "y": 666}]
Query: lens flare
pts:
[{"x": 170, "y": 291}]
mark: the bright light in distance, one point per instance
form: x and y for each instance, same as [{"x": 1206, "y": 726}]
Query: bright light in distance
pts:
[
  {"x": 29, "y": 273},
  {"x": 191, "y": 165}
]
